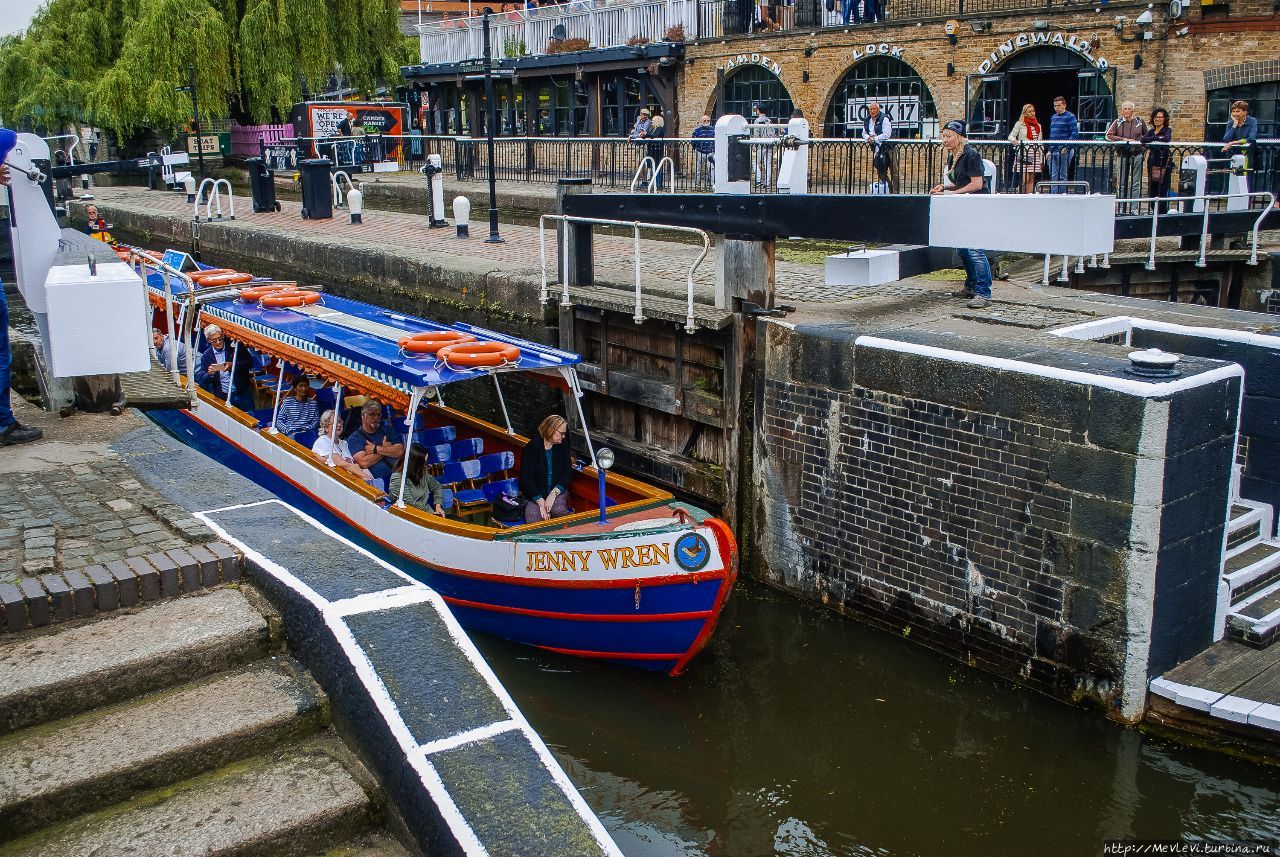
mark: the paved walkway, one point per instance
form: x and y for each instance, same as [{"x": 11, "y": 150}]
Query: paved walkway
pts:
[
  {"x": 664, "y": 264},
  {"x": 68, "y": 501}
]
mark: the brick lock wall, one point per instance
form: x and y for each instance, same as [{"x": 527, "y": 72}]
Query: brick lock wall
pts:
[
  {"x": 987, "y": 514},
  {"x": 1172, "y": 72}
]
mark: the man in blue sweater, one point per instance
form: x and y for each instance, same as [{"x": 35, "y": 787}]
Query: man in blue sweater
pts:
[
  {"x": 1062, "y": 126},
  {"x": 704, "y": 147}
]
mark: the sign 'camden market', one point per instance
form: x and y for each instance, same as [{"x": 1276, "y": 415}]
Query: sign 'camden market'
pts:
[{"x": 1022, "y": 41}]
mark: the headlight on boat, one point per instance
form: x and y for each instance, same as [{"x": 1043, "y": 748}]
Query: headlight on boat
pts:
[{"x": 604, "y": 458}]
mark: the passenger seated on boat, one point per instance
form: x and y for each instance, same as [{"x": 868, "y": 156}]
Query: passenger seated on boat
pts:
[
  {"x": 298, "y": 412},
  {"x": 215, "y": 373},
  {"x": 375, "y": 445},
  {"x": 545, "y": 470},
  {"x": 422, "y": 490},
  {"x": 337, "y": 454},
  {"x": 164, "y": 347}
]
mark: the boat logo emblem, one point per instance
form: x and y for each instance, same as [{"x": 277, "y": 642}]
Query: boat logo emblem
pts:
[{"x": 692, "y": 551}]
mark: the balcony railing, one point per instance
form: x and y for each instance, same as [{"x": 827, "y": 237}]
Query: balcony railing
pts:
[
  {"x": 606, "y": 24},
  {"x": 533, "y": 31}
]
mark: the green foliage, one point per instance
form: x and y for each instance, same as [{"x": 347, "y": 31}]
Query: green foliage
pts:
[{"x": 117, "y": 63}]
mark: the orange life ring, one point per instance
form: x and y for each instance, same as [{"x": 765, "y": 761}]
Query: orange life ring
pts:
[
  {"x": 231, "y": 278},
  {"x": 257, "y": 293},
  {"x": 123, "y": 253},
  {"x": 470, "y": 354},
  {"x": 431, "y": 341},
  {"x": 210, "y": 272},
  {"x": 290, "y": 298}
]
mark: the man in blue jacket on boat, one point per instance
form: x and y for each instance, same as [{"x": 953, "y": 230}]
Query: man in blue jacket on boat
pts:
[
  {"x": 375, "y": 445},
  {"x": 224, "y": 370}
]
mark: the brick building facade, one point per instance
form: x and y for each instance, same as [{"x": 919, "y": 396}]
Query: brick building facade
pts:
[{"x": 1086, "y": 55}]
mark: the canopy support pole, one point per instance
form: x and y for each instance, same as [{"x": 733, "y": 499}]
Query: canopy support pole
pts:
[
  {"x": 414, "y": 400},
  {"x": 503, "y": 402},
  {"x": 231, "y": 376},
  {"x": 337, "y": 415},
  {"x": 275, "y": 410}
]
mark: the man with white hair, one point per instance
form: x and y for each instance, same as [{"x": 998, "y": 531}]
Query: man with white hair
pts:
[
  {"x": 226, "y": 371},
  {"x": 1127, "y": 130}
]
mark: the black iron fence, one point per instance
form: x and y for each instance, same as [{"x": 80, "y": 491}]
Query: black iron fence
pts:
[{"x": 835, "y": 165}]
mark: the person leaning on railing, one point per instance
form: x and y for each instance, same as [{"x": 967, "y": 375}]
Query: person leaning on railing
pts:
[
  {"x": 1026, "y": 135},
  {"x": 704, "y": 147},
  {"x": 1242, "y": 133},
  {"x": 1159, "y": 157},
  {"x": 1127, "y": 129},
  {"x": 1062, "y": 126}
]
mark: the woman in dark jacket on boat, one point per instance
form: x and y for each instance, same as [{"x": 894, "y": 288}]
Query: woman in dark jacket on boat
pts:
[
  {"x": 1158, "y": 156},
  {"x": 545, "y": 471}
]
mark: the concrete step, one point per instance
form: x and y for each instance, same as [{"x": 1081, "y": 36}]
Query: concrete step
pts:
[
  {"x": 45, "y": 676},
  {"x": 373, "y": 844},
  {"x": 1252, "y": 570},
  {"x": 59, "y": 770},
  {"x": 1244, "y": 528},
  {"x": 1256, "y": 623},
  {"x": 296, "y": 802}
]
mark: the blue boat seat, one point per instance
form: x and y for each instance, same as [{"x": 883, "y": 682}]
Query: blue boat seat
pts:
[
  {"x": 497, "y": 462},
  {"x": 306, "y": 438},
  {"x": 467, "y": 448},
  {"x": 437, "y": 435},
  {"x": 439, "y": 453},
  {"x": 463, "y": 473},
  {"x": 493, "y": 490}
]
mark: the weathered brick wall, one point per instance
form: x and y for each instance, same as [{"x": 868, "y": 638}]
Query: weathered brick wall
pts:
[
  {"x": 1172, "y": 73},
  {"x": 1006, "y": 518}
]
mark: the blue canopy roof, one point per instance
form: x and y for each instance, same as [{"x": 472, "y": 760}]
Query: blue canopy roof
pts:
[{"x": 364, "y": 337}]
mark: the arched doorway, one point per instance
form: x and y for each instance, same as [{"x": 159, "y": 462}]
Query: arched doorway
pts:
[
  {"x": 755, "y": 84},
  {"x": 900, "y": 91},
  {"x": 1036, "y": 76}
]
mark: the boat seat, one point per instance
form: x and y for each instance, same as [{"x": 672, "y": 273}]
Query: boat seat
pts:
[
  {"x": 493, "y": 490},
  {"x": 306, "y": 438},
  {"x": 497, "y": 462},
  {"x": 467, "y": 447},
  {"x": 466, "y": 472},
  {"x": 263, "y": 415},
  {"x": 438, "y": 435},
  {"x": 439, "y": 453}
]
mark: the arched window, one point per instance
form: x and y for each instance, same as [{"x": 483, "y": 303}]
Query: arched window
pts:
[
  {"x": 900, "y": 92},
  {"x": 755, "y": 84}
]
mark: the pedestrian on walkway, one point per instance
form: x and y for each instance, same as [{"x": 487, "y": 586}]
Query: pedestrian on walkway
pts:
[
  {"x": 1028, "y": 160},
  {"x": 877, "y": 131},
  {"x": 1156, "y": 140},
  {"x": 1127, "y": 130},
  {"x": 1063, "y": 126},
  {"x": 852, "y": 8},
  {"x": 704, "y": 147},
  {"x": 657, "y": 130},
  {"x": 641, "y": 129},
  {"x": 964, "y": 174},
  {"x": 1242, "y": 133},
  {"x": 12, "y": 432}
]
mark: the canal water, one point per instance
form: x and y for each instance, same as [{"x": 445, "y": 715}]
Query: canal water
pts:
[{"x": 800, "y": 732}]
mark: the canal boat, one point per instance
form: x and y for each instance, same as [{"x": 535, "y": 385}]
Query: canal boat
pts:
[{"x": 633, "y": 577}]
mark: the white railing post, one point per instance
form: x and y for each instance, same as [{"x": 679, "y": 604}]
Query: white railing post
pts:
[{"x": 639, "y": 313}]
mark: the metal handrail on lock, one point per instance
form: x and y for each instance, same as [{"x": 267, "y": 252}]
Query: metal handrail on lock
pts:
[
  {"x": 635, "y": 226},
  {"x": 214, "y": 197},
  {"x": 138, "y": 260},
  {"x": 339, "y": 197}
]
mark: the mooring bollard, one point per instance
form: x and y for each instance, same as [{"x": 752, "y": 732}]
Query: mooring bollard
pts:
[
  {"x": 189, "y": 185},
  {"x": 435, "y": 198},
  {"x": 462, "y": 215},
  {"x": 355, "y": 204}
]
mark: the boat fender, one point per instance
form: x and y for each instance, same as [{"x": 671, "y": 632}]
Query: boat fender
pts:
[
  {"x": 431, "y": 341},
  {"x": 470, "y": 355}
]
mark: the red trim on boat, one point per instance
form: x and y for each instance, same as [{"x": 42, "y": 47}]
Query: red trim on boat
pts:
[
  {"x": 616, "y": 656},
  {"x": 729, "y": 553},
  {"x": 628, "y": 583},
  {"x": 581, "y": 617}
]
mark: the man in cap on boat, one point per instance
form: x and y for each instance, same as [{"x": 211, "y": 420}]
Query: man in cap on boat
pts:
[{"x": 11, "y": 431}]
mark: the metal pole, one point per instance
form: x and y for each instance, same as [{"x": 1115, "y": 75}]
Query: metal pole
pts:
[
  {"x": 337, "y": 415},
  {"x": 173, "y": 341},
  {"x": 604, "y": 500},
  {"x": 195, "y": 108},
  {"x": 503, "y": 402},
  {"x": 414, "y": 401},
  {"x": 491, "y": 118},
  {"x": 275, "y": 409},
  {"x": 231, "y": 373}
]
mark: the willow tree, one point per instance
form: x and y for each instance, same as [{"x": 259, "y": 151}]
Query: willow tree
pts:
[{"x": 118, "y": 63}]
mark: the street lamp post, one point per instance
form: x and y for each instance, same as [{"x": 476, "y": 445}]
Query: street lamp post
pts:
[
  {"x": 195, "y": 110},
  {"x": 491, "y": 119}
]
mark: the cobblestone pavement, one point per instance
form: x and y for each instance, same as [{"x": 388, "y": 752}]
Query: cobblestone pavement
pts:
[
  {"x": 68, "y": 501},
  {"x": 664, "y": 264}
]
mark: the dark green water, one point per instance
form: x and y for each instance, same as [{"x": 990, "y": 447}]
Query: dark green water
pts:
[{"x": 799, "y": 732}]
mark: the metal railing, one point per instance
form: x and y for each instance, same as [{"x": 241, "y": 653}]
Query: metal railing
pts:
[
  {"x": 608, "y": 23},
  {"x": 523, "y": 32},
  {"x": 838, "y": 165},
  {"x": 635, "y": 226}
]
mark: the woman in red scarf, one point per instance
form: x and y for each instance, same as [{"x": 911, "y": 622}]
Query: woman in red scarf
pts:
[{"x": 1029, "y": 159}]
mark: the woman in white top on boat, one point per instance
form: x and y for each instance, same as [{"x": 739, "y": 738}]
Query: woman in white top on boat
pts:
[{"x": 333, "y": 450}]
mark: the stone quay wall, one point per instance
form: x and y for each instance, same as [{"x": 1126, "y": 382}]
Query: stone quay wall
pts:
[{"x": 1022, "y": 509}]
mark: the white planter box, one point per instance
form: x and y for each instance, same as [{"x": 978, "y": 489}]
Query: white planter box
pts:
[{"x": 862, "y": 268}]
